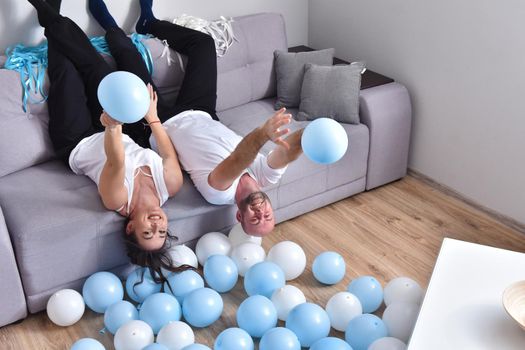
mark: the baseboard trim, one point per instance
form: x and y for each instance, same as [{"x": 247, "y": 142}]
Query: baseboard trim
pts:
[{"x": 504, "y": 219}]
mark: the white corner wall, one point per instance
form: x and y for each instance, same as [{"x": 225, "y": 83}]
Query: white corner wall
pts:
[
  {"x": 18, "y": 21},
  {"x": 464, "y": 65}
]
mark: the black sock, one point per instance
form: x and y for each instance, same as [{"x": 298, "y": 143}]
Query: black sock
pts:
[
  {"x": 46, "y": 13},
  {"x": 55, "y": 4},
  {"x": 146, "y": 16},
  {"x": 99, "y": 10}
]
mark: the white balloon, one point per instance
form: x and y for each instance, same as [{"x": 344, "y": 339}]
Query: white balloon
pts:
[
  {"x": 403, "y": 289},
  {"x": 290, "y": 257},
  {"x": 176, "y": 335},
  {"x": 133, "y": 335},
  {"x": 387, "y": 343},
  {"x": 238, "y": 236},
  {"x": 181, "y": 255},
  {"x": 210, "y": 244},
  {"x": 247, "y": 254},
  {"x": 285, "y": 299},
  {"x": 65, "y": 307},
  {"x": 341, "y": 308},
  {"x": 400, "y": 319}
]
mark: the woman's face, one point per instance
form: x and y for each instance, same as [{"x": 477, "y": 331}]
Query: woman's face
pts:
[{"x": 150, "y": 227}]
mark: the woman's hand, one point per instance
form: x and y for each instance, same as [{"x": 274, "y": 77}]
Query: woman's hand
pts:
[
  {"x": 151, "y": 115},
  {"x": 108, "y": 122}
]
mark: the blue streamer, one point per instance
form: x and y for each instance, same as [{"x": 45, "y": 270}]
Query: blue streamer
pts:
[{"x": 31, "y": 63}]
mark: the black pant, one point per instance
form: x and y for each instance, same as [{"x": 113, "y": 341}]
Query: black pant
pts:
[{"x": 75, "y": 70}]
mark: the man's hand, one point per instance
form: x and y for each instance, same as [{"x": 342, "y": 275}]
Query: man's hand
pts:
[
  {"x": 271, "y": 127},
  {"x": 151, "y": 114},
  {"x": 108, "y": 122}
]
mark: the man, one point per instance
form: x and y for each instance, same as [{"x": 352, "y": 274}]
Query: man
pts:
[{"x": 228, "y": 169}]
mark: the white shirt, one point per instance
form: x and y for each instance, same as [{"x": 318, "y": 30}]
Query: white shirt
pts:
[
  {"x": 203, "y": 143},
  {"x": 88, "y": 158}
]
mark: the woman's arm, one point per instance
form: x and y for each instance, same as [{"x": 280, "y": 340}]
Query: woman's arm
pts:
[
  {"x": 222, "y": 177},
  {"x": 166, "y": 149},
  {"x": 111, "y": 185}
]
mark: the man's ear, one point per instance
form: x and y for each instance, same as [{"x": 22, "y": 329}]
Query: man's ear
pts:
[
  {"x": 129, "y": 228},
  {"x": 238, "y": 215}
]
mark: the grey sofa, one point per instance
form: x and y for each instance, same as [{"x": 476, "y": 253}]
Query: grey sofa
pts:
[{"x": 54, "y": 231}]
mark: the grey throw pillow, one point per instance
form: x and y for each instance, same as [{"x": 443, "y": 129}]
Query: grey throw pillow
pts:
[
  {"x": 331, "y": 92},
  {"x": 289, "y": 70}
]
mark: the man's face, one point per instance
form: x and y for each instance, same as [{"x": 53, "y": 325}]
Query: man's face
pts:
[{"x": 256, "y": 214}]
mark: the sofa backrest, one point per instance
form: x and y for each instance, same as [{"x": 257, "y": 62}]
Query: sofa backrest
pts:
[
  {"x": 245, "y": 74},
  {"x": 24, "y": 139}
]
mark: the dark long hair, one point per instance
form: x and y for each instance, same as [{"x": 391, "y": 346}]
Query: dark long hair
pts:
[{"x": 154, "y": 260}]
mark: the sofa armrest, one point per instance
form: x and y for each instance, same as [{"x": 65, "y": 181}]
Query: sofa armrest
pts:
[
  {"x": 387, "y": 111},
  {"x": 12, "y": 299}
]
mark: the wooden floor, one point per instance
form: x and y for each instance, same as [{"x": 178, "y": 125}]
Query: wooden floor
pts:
[{"x": 392, "y": 231}]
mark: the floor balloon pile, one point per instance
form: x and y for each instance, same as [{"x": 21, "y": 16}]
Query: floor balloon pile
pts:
[{"x": 161, "y": 317}]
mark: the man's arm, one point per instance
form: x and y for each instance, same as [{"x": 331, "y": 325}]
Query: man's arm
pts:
[
  {"x": 282, "y": 156},
  {"x": 111, "y": 186},
  {"x": 166, "y": 149},
  {"x": 222, "y": 177}
]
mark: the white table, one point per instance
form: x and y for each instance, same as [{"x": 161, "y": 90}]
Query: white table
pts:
[{"x": 462, "y": 308}]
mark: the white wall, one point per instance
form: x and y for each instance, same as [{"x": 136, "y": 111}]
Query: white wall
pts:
[
  {"x": 18, "y": 21},
  {"x": 464, "y": 64}
]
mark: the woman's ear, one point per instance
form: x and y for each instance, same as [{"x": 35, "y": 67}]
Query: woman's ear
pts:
[{"x": 129, "y": 228}]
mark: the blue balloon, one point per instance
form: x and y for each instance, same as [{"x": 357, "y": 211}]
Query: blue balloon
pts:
[
  {"x": 156, "y": 346},
  {"x": 363, "y": 330},
  {"x": 233, "y": 339},
  {"x": 196, "y": 347},
  {"x": 101, "y": 290},
  {"x": 324, "y": 141},
  {"x": 182, "y": 283},
  {"x": 87, "y": 344},
  {"x": 221, "y": 273},
  {"x": 329, "y": 268},
  {"x": 123, "y": 96},
  {"x": 309, "y": 322},
  {"x": 279, "y": 338},
  {"x": 159, "y": 309},
  {"x": 256, "y": 315},
  {"x": 140, "y": 285},
  {"x": 263, "y": 278},
  {"x": 119, "y": 313},
  {"x": 330, "y": 343},
  {"x": 202, "y": 307},
  {"x": 369, "y": 292}
]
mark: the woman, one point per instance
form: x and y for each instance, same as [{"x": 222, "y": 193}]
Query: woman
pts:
[{"x": 131, "y": 179}]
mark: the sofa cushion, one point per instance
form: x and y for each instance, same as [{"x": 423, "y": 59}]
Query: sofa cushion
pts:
[
  {"x": 289, "y": 70},
  {"x": 331, "y": 92},
  {"x": 24, "y": 139},
  {"x": 57, "y": 221}
]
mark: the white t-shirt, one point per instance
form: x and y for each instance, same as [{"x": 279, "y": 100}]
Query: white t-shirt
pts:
[
  {"x": 203, "y": 143},
  {"x": 88, "y": 158}
]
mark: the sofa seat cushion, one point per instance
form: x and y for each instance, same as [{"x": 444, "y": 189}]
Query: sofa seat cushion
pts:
[
  {"x": 303, "y": 178},
  {"x": 57, "y": 222}
]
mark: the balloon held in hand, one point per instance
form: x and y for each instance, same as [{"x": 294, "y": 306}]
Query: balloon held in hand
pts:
[
  {"x": 124, "y": 96},
  {"x": 324, "y": 141}
]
